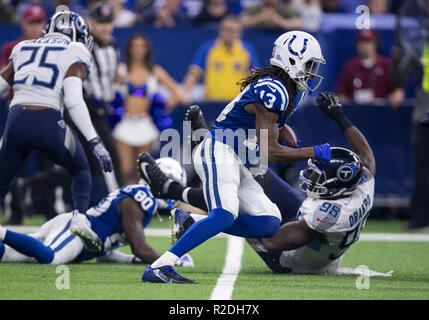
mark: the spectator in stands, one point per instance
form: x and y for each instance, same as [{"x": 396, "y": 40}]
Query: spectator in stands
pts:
[
  {"x": 223, "y": 62},
  {"x": 124, "y": 18},
  {"x": 366, "y": 78},
  {"x": 169, "y": 15},
  {"x": 33, "y": 22},
  {"x": 309, "y": 11},
  {"x": 271, "y": 14},
  {"x": 378, "y": 6},
  {"x": 213, "y": 11},
  {"x": 7, "y": 12},
  {"x": 140, "y": 82},
  {"x": 334, "y": 6}
]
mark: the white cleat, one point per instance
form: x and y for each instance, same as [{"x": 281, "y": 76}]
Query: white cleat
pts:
[{"x": 80, "y": 226}]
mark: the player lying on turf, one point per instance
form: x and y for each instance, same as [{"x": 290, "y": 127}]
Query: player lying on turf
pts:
[
  {"x": 118, "y": 220},
  {"x": 224, "y": 160},
  {"x": 339, "y": 198}
]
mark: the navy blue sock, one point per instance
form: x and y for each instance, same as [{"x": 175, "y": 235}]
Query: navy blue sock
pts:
[
  {"x": 248, "y": 226},
  {"x": 29, "y": 246},
  {"x": 217, "y": 221},
  {"x": 2, "y": 248},
  {"x": 81, "y": 189}
]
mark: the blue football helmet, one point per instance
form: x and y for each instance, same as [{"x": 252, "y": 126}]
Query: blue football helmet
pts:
[
  {"x": 72, "y": 25},
  {"x": 339, "y": 178}
]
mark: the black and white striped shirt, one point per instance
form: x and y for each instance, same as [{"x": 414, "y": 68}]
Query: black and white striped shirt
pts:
[{"x": 103, "y": 72}]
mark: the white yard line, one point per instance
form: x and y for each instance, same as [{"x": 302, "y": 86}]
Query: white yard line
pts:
[
  {"x": 401, "y": 237},
  {"x": 225, "y": 283}
]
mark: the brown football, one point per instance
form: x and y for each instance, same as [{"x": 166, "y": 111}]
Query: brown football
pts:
[{"x": 287, "y": 135}]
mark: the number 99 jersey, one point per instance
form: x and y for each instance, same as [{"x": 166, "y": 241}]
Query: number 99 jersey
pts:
[
  {"x": 339, "y": 221},
  {"x": 40, "y": 66}
]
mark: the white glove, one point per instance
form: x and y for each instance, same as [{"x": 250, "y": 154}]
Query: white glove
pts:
[{"x": 102, "y": 155}]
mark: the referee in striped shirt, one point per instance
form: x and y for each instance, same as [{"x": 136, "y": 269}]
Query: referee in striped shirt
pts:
[{"x": 99, "y": 92}]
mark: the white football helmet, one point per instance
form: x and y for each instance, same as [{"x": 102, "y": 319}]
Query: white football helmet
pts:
[
  {"x": 298, "y": 53},
  {"x": 172, "y": 169}
]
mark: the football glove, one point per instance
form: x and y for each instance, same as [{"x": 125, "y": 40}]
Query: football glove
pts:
[
  {"x": 330, "y": 104},
  {"x": 102, "y": 155}
]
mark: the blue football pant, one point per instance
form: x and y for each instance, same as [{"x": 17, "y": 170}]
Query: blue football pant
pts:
[{"x": 44, "y": 131}]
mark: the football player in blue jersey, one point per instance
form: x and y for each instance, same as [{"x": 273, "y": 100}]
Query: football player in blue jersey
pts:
[
  {"x": 46, "y": 74},
  {"x": 119, "y": 219},
  {"x": 244, "y": 136},
  {"x": 318, "y": 229}
]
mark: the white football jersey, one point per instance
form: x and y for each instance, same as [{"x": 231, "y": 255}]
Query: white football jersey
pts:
[
  {"x": 40, "y": 66},
  {"x": 340, "y": 223}
]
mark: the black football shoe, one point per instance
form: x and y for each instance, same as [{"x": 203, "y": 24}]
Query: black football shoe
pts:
[
  {"x": 149, "y": 171},
  {"x": 196, "y": 117}
]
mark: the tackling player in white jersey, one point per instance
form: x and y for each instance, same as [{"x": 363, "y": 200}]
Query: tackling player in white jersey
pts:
[
  {"x": 340, "y": 195},
  {"x": 46, "y": 74}
]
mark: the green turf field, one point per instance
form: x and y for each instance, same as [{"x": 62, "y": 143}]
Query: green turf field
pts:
[{"x": 408, "y": 260}]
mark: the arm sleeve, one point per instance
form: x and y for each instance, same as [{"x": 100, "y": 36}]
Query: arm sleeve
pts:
[{"x": 76, "y": 106}]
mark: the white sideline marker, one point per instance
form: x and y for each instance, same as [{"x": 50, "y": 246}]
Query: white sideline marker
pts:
[{"x": 225, "y": 283}]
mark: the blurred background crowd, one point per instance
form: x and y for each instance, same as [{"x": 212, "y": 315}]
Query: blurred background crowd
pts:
[{"x": 154, "y": 57}]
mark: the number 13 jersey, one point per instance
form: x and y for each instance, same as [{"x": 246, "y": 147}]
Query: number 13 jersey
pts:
[{"x": 40, "y": 66}]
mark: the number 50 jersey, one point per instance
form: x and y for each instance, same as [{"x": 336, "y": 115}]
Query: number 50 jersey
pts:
[
  {"x": 40, "y": 66},
  {"x": 339, "y": 222}
]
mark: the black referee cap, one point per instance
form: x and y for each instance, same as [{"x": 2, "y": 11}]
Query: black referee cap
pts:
[{"x": 102, "y": 12}]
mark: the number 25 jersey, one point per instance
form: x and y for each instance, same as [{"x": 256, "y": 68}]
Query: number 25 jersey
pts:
[{"x": 40, "y": 66}]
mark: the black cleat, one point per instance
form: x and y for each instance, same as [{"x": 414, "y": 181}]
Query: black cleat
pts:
[
  {"x": 149, "y": 171},
  {"x": 164, "y": 274},
  {"x": 196, "y": 117},
  {"x": 181, "y": 222}
]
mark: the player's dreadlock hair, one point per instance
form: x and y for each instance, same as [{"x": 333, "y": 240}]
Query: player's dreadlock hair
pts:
[{"x": 274, "y": 72}]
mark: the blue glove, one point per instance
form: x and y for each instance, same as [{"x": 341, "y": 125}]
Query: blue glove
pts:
[
  {"x": 102, "y": 155},
  {"x": 323, "y": 152}
]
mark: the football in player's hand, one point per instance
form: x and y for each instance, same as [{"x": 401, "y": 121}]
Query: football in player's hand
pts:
[{"x": 288, "y": 136}]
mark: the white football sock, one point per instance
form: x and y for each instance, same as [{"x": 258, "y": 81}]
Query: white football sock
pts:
[
  {"x": 198, "y": 217},
  {"x": 167, "y": 259},
  {"x": 2, "y": 233}
]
